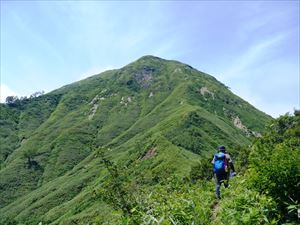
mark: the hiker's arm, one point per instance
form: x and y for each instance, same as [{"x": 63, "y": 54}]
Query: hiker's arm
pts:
[
  {"x": 232, "y": 166},
  {"x": 230, "y": 162},
  {"x": 213, "y": 160}
]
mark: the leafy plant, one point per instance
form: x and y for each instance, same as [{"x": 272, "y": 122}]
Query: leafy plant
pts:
[
  {"x": 274, "y": 164},
  {"x": 242, "y": 205}
]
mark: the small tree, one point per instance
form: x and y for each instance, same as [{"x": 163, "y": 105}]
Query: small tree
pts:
[
  {"x": 117, "y": 189},
  {"x": 29, "y": 155},
  {"x": 37, "y": 94},
  {"x": 11, "y": 100}
]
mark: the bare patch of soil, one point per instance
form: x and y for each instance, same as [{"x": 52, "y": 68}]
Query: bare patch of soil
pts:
[{"x": 150, "y": 153}]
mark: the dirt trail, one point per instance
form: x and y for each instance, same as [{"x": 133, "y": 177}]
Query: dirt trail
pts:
[{"x": 215, "y": 210}]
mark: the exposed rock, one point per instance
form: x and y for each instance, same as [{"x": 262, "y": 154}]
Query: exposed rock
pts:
[
  {"x": 125, "y": 100},
  {"x": 113, "y": 94},
  {"x": 145, "y": 76},
  {"x": 238, "y": 123},
  {"x": 103, "y": 91},
  {"x": 177, "y": 70},
  {"x": 93, "y": 111},
  {"x": 24, "y": 140},
  {"x": 204, "y": 90},
  {"x": 150, "y": 153},
  {"x": 122, "y": 100},
  {"x": 256, "y": 134},
  {"x": 95, "y": 99}
]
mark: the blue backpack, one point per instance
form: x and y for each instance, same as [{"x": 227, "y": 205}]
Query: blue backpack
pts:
[{"x": 220, "y": 163}]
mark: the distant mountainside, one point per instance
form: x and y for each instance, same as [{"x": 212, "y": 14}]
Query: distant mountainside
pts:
[{"x": 156, "y": 117}]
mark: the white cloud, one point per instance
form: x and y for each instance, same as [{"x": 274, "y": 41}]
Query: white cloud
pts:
[
  {"x": 253, "y": 55},
  {"x": 6, "y": 91}
]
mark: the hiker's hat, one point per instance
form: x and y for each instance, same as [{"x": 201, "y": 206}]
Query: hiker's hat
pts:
[{"x": 222, "y": 148}]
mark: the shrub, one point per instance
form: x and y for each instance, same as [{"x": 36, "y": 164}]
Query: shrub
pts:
[
  {"x": 274, "y": 165},
  {"x": 202, "y": 171},
  {"x": 246, "y": 206}
]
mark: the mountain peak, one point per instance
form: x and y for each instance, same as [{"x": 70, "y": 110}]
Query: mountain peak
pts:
[
  {"x": 150, "y": 57},
  {"x": 153, "y": 106}
]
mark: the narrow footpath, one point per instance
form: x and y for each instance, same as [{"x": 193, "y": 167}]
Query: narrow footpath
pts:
[{"x": 215, "y": 210}]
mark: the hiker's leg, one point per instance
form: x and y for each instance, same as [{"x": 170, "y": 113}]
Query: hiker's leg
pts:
[
  {"x": 218, "y": 190},
  {"x": 218, "y": 186}
]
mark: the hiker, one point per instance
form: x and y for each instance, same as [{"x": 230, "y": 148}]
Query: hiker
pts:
[{"x": 222, "y": 164}]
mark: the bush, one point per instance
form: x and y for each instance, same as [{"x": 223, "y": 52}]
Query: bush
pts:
[
  {"x": 202, "y": 171},
  {"x": 174, "y": 203},
  {"x": 242, "y": 159},
  {"x": 274, "y": 165},
  {"x": 170, "y": 202},
  {"x": 246, "y": 206}
]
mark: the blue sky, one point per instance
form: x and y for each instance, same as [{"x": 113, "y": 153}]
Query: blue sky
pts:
[{"x": 252, "y": 47}]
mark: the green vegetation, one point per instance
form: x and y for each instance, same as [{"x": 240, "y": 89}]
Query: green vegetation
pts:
[
  {"x": 247, "y": 201},
  {"x": 275, "y": 165},
  {"x": 8, "y": 132},
  {"x": 134, "y": 145}
]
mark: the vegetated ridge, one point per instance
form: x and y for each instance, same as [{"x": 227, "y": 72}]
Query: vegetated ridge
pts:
[{"x": 153, "y": 119}]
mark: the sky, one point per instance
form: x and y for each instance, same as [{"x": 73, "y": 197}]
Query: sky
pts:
[{"x": 250, "y": 46}]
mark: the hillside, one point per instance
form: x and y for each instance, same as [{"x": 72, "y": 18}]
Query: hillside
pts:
[{"x": 153, "y": 118}]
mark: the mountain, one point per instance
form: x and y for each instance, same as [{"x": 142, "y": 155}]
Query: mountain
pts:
[{"x": 157, "y": 118}]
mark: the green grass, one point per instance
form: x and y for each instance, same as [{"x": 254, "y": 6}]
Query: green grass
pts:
[{"x": 151, "y": 103}]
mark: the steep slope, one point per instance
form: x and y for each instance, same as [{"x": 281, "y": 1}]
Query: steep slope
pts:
[{"x": 157, "y": 117}]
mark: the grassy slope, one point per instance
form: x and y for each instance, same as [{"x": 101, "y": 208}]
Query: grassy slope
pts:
[
  {"x": 8, "y": 132},
  {"x": 181, "y": 123}
]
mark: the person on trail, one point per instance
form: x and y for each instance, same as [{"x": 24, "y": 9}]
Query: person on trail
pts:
[{"x": 222, "y": 164}]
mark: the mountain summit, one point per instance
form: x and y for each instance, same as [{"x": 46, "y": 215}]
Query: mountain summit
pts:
[{"x": 154, "y": 116}]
